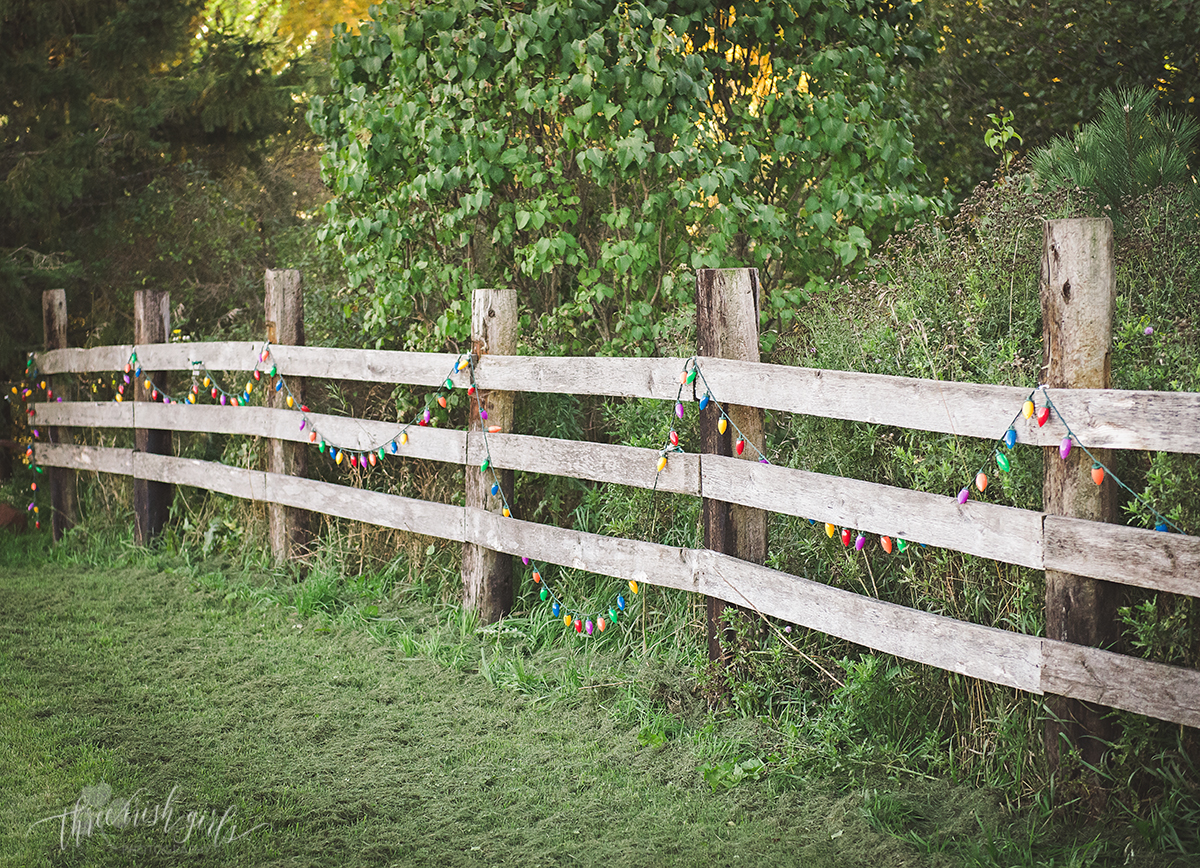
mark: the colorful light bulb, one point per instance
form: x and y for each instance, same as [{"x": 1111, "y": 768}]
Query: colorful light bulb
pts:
[
  {"x": 704, "y": 401},
  {"x": 662, "y": 464},
  {"x": 495, "y": 489},
  {"x": 1064, "y": 448},
  {"x": 553, "y": 607},
  {"x": 1010, "y": 437},
  {"x": 981, "y": 481},
  {"x": 1043, "y": 416},
  {"x": 859, "y": 542},
  {"x": 886, "y": 542},
  {"x": 1027, "y": 409},
  {"x": 1002, "y": 462},
  {"x": 679, "y": 409},
  {"x": 633, "y": 586},
  {"x": 1097, "y": 474},
  {"x": 544, "y": 595},
  {"x": 830, "y": 530},
  {"x": 589, "y": 626},
  {"x": 845, "y": 536},
  {"x": 620, "y": 602},
  {"x": 964, "y": 495},
  {"x": 740, "y": 446},
  {"x": 901, "y": 544},
  {"x": 722, "y": 425},
  {"x": 673, "y": 437}
]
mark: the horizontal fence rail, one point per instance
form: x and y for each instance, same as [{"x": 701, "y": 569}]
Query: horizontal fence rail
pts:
[
  {"x": 1131, "y": 556},
  {"x": 1027, "y": 663},
  {"x": 1100, "y": 418}
]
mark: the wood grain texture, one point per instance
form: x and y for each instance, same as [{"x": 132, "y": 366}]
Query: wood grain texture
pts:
[
  {"x": 371, "y": 507},
  {"x": 599, "y": 462},
  {"x": 83, "y": 361},
  {"x": 582, "y": 375},
  {"x": 221, "y": 478},
  {"x": 985, "y": 529},
  {"x": 336, "y": 363},
  {"x": 487, "y": 573},
  {"x": 1116, "y": 681},
  {"x": 283, "y": 304},
  {"x": 651, "y": 563},
  {"x": 85, "y": 414},
  {"x": 1125, "y": 555},
  {"x": 64, "y": 504},
  {"x": 727, "y": 310},
  {"x": 1078, "y": 296},
  {"x": 152, "y": 499},
  {"x": 102, "y": 459},
  {"x": 1166, "y": 421},
  {"x": 998, "y": 656}
]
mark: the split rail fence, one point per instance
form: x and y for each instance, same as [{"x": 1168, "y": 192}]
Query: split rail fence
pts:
[{"x": 1100, "y": 418}]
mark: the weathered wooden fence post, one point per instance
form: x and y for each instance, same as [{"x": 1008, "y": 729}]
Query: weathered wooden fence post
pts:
[
  {"x": 727, "y": 328},
  {"x": 290, "y": 528},
  {"x": 1078, "y": 291},
  {"x": 488, "y": 575},
  {"x": 151, "y": 500},
  {"x": 63, "y": 500}
]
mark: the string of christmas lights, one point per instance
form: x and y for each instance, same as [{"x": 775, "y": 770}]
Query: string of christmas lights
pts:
[{"x": 585, "y": 623}]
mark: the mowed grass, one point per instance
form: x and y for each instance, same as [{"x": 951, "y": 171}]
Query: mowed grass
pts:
[{"x": 322, "y": 741}]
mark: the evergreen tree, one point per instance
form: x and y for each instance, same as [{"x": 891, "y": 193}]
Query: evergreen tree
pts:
[{"x": 1131, "y": 149}]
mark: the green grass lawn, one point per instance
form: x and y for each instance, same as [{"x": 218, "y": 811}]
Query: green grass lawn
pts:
[{"x": 334, "y": 741}]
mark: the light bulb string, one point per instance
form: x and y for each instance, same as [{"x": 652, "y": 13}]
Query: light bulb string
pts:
[
  {"x": 692, "y": 374},
  {"x": 359, "y": 453},
  {"x": 694, "y": 363},
  {"x": 1096, "y": 462},
  {"x": 572, "y": 616}
]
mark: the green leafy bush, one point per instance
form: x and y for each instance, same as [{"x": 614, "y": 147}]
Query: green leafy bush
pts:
[{"x": 593, "y": 154}]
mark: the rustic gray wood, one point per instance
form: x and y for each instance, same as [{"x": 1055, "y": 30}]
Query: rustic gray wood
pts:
[
  {"x": 222, "y": 478},
  {"x": 1078, "y": 294},
  {"x": 371, "y": 507},
  {"x": 100, "y": 459},
  {"x": 289, "y": 528},
  {"x": 487, "y": 573},
  {"x": 583, "y": 375},
  {"x": 642, "y": 562},
  {"x": 87, "y": 414},
  {"x": 151, "y": 499},
  {"x": 600, "y": 462},
  {"x": 1164, "y": 421},
  {"x": 985, "y": 529},
  {"x": 999, "y": 656},
  {"x": 1116, "y": 681},
  {"x": 727, "y": 306},
  {"x": 64, "y": 502},
  {"x": 80, "y": 361},
  {"x": 1126, "y": 555}
]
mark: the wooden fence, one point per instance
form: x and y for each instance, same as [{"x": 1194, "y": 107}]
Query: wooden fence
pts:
[{"x": 1098, "y": 417}]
